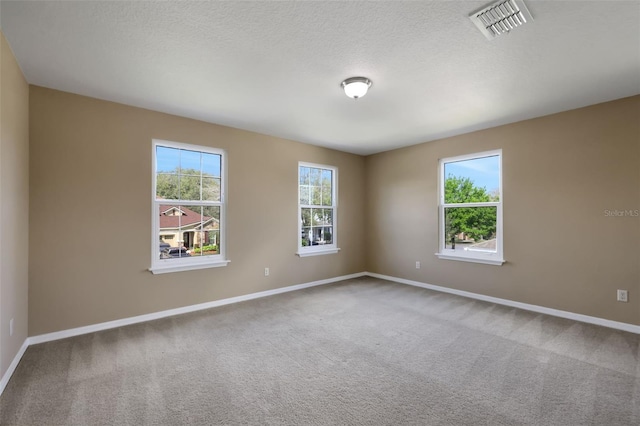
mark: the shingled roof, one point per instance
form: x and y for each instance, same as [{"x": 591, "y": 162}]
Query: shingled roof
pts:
[{"x": 188, "y": 217}]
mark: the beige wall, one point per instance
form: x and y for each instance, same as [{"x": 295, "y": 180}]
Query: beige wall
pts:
[
  {"x": 91, "y": 159},
  {"x": 560, "y": 174},
  {"x": 14, "y": 197}
]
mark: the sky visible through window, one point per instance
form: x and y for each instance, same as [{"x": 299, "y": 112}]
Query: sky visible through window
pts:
[
  {"x": 169, "y": 159},
  {"x": 484, "y": 172}
]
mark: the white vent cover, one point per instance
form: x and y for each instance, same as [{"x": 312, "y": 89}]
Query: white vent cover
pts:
[{"x": 501, "y": 17}]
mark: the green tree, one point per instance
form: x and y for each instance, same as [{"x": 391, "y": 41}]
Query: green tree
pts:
[
  {"x": 476, "y": 222},
  {"x": 185, "y": 184}
]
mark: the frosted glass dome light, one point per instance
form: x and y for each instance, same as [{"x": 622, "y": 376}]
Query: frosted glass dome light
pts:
[{"x": 356, "y": 87}]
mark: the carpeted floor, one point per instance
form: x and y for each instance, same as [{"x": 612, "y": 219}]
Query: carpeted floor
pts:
[{"x": 360, "y": 352}]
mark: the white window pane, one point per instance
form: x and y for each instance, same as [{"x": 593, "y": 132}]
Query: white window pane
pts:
[
  {"x": 316, "y": 233},
  {"x": 326, "y": 176},
  {"x": 177, "y": 230},
  {"x": 191, "y": 225},
  {"x": 210, "y": 189},
  {"x": 316, "y": 177},
  {"x": 323, "y": 216},
  {"x": 304, "y": 194},
  {"x": 169, "y": 228},
  {"x": 305, "y": 236},
  {"x": 471, "y": 229},
  {"x": 316, "y": 217},
  {"x": 327, "y": 234},
  {"x": 304, "y": 175},
  {"x": 167, "y": 186},
  {"x": 326, "y": 187},
  {"x": 190, "y": 162},
  {"x": 328, "y": 216},
  {"x": 321, "y": 235},
  {"x": 189, "y": 187},
  {"x": 316, "y": 195},
  {"x": 210, "y": 242},
  {"x": 211, "y": 164},
  {"x": 305, "y": 217},
  {"x": 167, "y": 160},
  {"x": 470, "y": 181}
]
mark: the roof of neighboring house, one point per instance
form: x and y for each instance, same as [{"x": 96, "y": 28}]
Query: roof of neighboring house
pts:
[{"x": 188, "y": 217}]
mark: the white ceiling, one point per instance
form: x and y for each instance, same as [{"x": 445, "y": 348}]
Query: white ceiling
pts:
[{"x": 276, "y": 67}]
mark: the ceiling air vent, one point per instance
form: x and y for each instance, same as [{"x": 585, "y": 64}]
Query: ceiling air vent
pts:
[{"x": 501, "y": 17}]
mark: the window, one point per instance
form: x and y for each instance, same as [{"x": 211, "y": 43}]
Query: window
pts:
[
  {"x": 317, "y": 209},
  {"x": 470, "y": 208},
  {"x": 188, "y": 207}
]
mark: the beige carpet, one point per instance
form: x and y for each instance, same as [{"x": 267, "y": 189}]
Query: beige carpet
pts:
[{"x": 360, "y": 352}]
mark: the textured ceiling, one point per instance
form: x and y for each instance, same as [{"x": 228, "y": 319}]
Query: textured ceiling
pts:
[{"x": 276, "y": 67}]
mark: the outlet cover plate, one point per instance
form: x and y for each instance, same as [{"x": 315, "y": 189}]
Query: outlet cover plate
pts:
[{"x": 623, "y": 296}]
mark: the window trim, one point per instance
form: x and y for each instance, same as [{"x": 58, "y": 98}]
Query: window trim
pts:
[
  {"x": 488, "y": 258},
  {"x": 162, "y": 266},
  {"x": 305, "y": 251}
]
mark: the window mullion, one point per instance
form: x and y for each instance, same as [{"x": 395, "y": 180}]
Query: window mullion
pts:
[
  {"x": 189, "y": 203},
  {"x": 201, "y": 199},
  {"x": 483, "y": 204}
]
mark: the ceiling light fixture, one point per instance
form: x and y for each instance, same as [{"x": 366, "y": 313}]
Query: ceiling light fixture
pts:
[{"x": 356, "y": 87}]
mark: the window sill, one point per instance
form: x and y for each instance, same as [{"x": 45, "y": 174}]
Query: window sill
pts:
[
  {"x": 317, "y": 252},
  {"x": 487, "y": 260},
  {"x": 164, "y": 269}
]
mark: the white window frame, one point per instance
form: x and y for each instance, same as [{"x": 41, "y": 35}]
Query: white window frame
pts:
[
  {"x": 161, "y": 266},
  {"x": 489, "y": 258},
  {"x": 304, "y": 251}
]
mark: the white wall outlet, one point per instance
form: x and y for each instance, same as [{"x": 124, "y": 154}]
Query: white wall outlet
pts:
[
  {"x": 11, "y": 327},
  {"x": 417, "y": 264},
  {"x": 623, "y": 296},
  {"x": 266, "y": 272}
]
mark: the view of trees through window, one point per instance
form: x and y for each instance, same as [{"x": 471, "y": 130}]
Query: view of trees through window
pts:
[
  {"x": 186, "y": 184},
  {"x": 471, "y": 196}
]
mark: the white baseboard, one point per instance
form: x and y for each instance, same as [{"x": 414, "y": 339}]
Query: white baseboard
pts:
[
  {"x": 534, "y": 308},
  {"x": 42, "y": 338},
  {"x": 48, "y": 337},
  {"x": 193, "y": 308},
  {"x": 12, "y": 367}
]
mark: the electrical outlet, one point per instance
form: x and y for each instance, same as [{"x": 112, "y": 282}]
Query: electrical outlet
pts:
[
  {"x": 266, "y": 272},
  {"x": 417, "y": 264},
  {"x": 11, "y": 327},
  {"x": 622, "y": 296}
]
